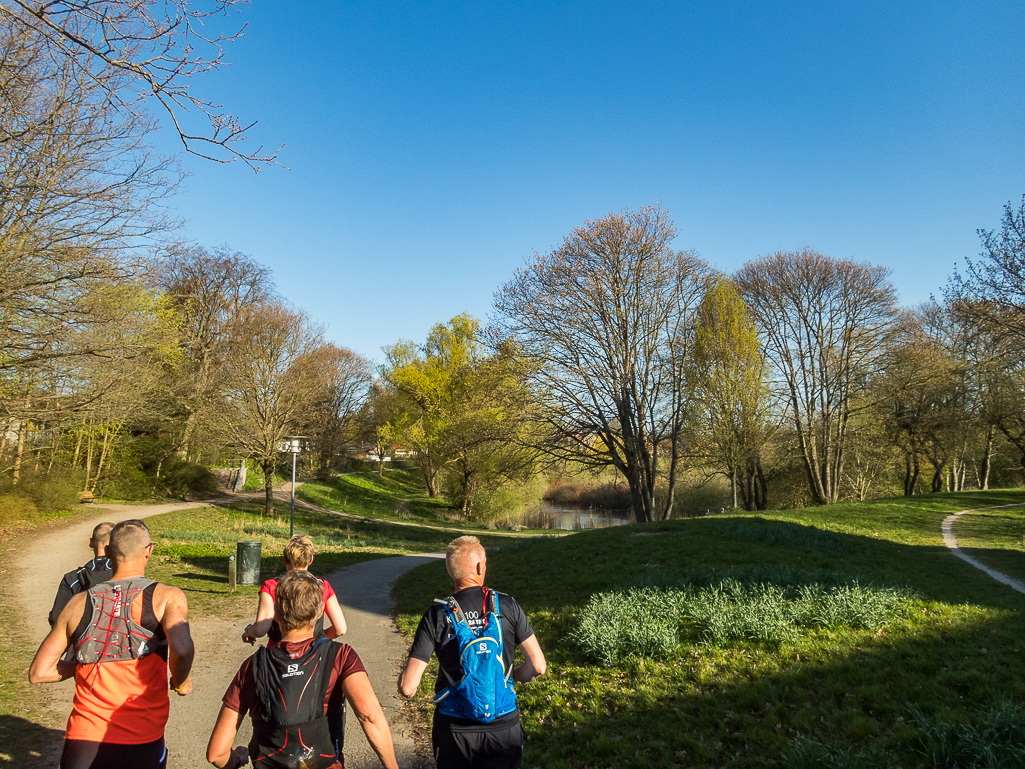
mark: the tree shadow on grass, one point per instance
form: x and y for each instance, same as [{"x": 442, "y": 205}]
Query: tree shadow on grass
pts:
[
  {"x": 863, "y": 700},
  {"x": 27, "y": 745},
  {"x": 861, "y": 696}
]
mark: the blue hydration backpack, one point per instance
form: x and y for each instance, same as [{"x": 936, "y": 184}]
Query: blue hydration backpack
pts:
[{"x": 484, "y": 693}]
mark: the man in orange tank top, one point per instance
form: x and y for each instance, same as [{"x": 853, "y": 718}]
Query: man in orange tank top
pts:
[{"x": 126, "y": 634}]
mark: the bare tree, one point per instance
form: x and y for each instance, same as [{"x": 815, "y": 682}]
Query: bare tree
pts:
[
  {"x": 335, "y": 419},
  {"x": 273, "y": 380},
  {"x": 920, "y": 395},
  {"x": 604, "y": 323},
  {"x": 134, "y": 51},
  {"x": 824, "y": 321},
  {"x": 991, "y": 292},
  {"x": 209, "y": 290},
  {"x": 77, "y": 191}
]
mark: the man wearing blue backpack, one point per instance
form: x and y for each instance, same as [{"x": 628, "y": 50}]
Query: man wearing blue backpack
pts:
[{"x": 475, "y": 633}]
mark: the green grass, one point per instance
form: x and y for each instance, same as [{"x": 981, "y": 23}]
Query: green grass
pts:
[
  {"x": 193, "y": 546},
  {"x": 949, "y": 650},
  {"x": 995, "y": 538},
  {"x": 398, "y": 496}
]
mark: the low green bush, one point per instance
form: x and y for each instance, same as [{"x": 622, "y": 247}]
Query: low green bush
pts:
[
  {"x": 653, "y": 622},
  {"x": 996, "y": 740}
]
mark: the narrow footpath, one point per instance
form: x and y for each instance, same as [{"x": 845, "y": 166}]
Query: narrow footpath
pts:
[
  {"x": 364, "y": 592},
  {"x": 951, "y": 542}
]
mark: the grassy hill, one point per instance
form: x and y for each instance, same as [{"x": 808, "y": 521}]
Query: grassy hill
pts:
[{"x": 840, "y": 636}]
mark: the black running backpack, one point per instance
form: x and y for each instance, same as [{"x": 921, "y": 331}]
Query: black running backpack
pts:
[{"x": 294, "y": 732}]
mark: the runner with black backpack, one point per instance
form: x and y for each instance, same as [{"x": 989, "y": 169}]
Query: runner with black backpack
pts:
[
  {"x": 295, "y": 690},
  {"x": 99, "y": 569},
  {"x": 475, "y": 633}
]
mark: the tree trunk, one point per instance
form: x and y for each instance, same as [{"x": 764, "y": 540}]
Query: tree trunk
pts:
[
  {"x": 762, "y": 485},
  {"x": 99, "y": 463},
  {"x": 268, "y": 487},
  {"x": 912, "y": 470},
  {"x": 19, "y": 452},
  {"x": 88, "y": 460},
  {"x": 987, "y": 458}
]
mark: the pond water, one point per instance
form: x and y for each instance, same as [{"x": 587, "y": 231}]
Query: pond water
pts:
[{"x": 569, "y": 518}]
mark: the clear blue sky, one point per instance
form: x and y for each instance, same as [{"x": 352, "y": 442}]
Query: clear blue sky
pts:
[{"x": 433, "y": 146}]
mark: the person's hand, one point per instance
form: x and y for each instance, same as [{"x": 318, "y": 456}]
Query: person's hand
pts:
[
  {"x": 241, "y": 756},
  {"x": 246, "y": 638},
  {"x": 184, "y": 688}
]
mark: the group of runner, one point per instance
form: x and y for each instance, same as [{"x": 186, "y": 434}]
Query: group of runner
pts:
[{"x": 126, "y": 641}]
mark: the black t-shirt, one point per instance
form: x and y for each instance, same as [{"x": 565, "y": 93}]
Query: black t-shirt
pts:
[
  {"x": 81, "y": 579},
  {"x": 435, "y": 635}
]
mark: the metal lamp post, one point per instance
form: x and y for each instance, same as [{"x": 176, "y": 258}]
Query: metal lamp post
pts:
[{"x": 293, "y": 445}]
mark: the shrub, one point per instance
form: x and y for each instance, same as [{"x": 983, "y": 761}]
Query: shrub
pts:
[
  {"x": 995, "y": 741},
  {"x": 653, "y": 622},
  {"x": 180, "y": 477},
  {"x": 57, "y": 490},
  {"x": 15, "y": 507}
]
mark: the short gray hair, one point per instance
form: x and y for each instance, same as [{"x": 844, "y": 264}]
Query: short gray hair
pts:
[{"x": 458, "y": 555}]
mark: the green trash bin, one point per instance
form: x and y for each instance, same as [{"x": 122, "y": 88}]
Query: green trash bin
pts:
[{"x": 247, "y": 563}]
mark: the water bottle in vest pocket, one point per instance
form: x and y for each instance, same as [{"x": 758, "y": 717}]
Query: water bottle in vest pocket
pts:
[{"x": 484, "y": 692}]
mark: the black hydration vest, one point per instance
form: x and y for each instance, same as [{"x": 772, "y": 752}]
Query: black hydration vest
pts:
[{"x": 294, "y": 732}]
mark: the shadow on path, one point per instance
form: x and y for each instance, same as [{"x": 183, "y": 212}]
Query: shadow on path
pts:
[{"x": 43, "y": 752}]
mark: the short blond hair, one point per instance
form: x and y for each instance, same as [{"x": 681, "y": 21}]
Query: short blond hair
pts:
[
  {"x": 298, "y": 600},
  {"x": 461, "y": 556},
  {"x": 299, "y": 552},
  {"x": 127, "y": 541},
  {"x": 101, "y": 533}
]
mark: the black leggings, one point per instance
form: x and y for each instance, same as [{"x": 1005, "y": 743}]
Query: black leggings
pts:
[{"x": 81, "y": 754}]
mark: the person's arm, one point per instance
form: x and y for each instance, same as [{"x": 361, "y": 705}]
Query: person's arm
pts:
[
  {"x": 181, "y": 650},
  {"x": 334, "y": 613},
  {"x": 264, "y": 619},
  {"x": 534, "y": 664},
  {"x": 361, "y": 697},
  {"x": 65, "y": 592},
  {"x": 219, "y": 751},
  {"x": 409, "y": 679},
  {"x": 48, "y": 666}
]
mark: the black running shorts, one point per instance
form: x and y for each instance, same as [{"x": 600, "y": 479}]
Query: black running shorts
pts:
[
  {"x": 82, "y": 754},
  {"x": 478, "y": 750}
]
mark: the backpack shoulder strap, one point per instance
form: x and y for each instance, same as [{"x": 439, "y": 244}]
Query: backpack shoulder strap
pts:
[
  {"x": 491, "y": 602},
  {"x": 452, "y": 607}
]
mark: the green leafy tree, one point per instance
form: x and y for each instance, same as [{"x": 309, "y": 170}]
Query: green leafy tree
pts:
[
  {"x": 731, "y": 398},
  {"x": 461, "y": 409}
]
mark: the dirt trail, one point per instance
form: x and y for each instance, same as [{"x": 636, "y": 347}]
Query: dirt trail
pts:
[
  {"x": 364, "y": 592},
  {"x": 951, "y": 542}
]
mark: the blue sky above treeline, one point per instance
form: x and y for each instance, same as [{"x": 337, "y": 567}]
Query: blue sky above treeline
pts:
[{"x": 432, "y": 147}]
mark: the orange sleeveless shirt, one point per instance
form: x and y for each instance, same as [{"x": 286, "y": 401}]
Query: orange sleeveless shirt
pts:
[{"x": 124, "y": 702}]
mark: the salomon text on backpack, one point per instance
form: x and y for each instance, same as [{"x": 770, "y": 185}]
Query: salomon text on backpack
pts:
[{"x": 484, "y": 693}]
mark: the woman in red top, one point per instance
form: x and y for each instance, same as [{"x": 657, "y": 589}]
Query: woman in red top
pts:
[{"x": 298, "y": 555}]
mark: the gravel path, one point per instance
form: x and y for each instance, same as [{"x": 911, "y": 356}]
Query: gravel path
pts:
[
  {"x": 951, "y": 542},
  {"x": 363, "y": 591}
]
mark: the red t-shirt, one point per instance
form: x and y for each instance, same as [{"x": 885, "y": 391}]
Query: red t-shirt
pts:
[
  {"x": 242, "y": 698},
  {"x": 270, "y": 586}
]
